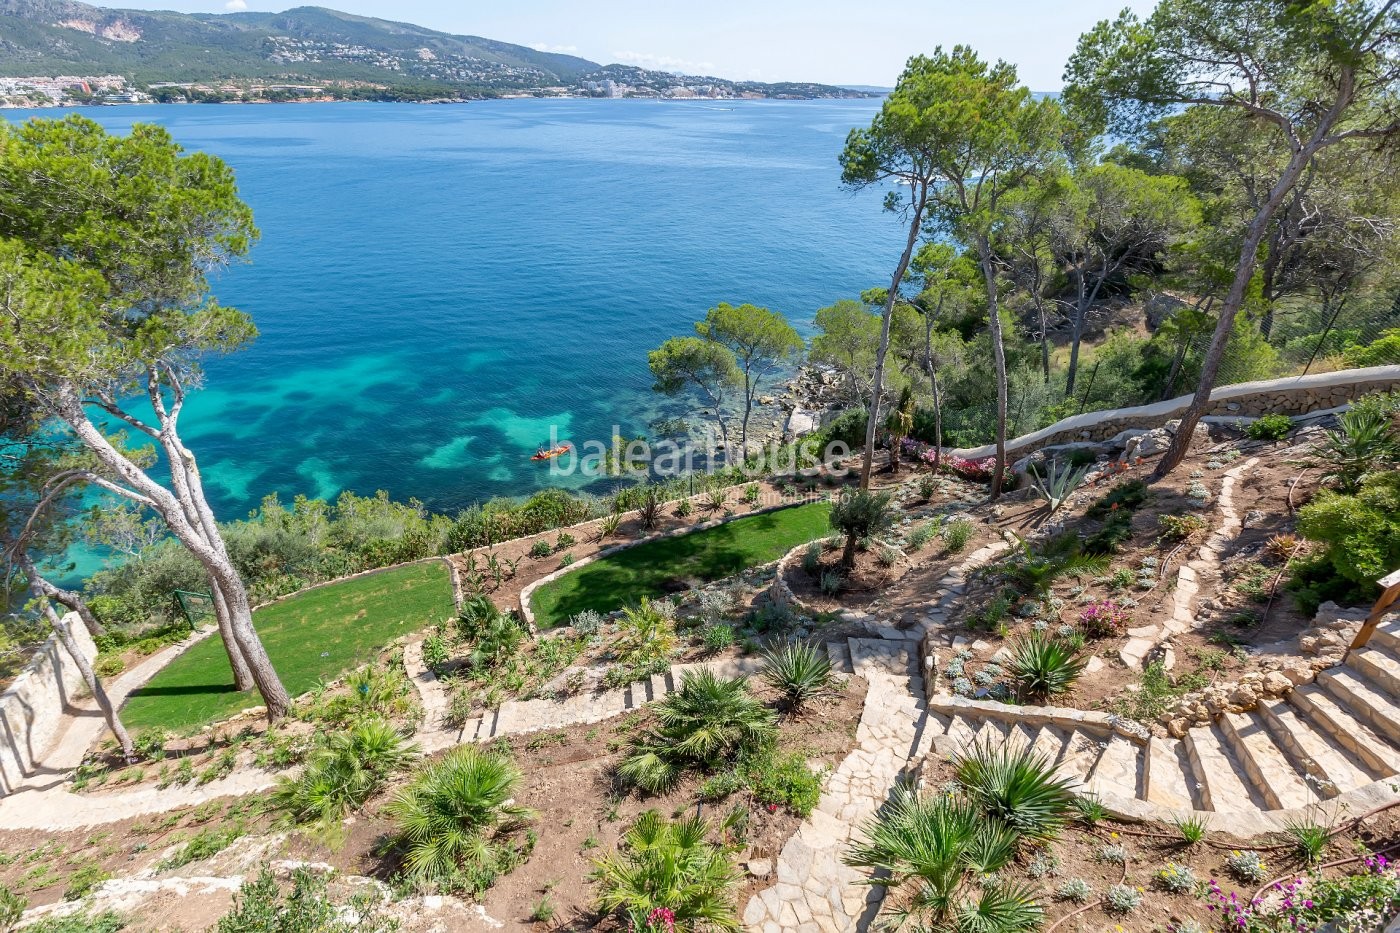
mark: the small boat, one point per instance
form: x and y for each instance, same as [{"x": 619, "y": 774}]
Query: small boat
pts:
[{"x": 550, "y": 454}]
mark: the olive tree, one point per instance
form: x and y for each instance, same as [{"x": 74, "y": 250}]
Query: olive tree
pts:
[
  {"x": 106, "y": 244},
  {"x": 1307, "y": 76}
]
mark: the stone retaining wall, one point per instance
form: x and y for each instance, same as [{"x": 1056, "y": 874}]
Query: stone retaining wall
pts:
[
  {"x": 1294, "y": 395},
  {"x": 32, "y": 708}
]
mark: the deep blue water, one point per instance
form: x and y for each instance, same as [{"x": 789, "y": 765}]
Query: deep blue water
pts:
[{"x": 436, "y": 286}]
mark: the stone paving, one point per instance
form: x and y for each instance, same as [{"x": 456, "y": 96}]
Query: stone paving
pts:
[{"x": 1144, "y": 639}]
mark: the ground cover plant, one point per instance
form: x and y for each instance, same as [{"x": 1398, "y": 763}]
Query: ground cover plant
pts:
[{"x": 311, "y": 637}]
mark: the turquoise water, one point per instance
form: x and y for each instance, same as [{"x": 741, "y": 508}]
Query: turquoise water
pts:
[{"x": 437, "y": 286}]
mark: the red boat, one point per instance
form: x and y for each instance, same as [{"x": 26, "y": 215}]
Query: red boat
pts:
[{"x": 550, "y": 454}]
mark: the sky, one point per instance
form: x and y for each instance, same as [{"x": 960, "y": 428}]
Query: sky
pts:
[{"x": 830, "y": 41}]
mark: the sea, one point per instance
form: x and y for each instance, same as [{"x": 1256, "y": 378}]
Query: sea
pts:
[{"x": 439, "y": 290}]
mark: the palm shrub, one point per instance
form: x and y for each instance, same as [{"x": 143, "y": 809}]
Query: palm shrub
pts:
[
  {"x": 704, "y": 724},
  {"x": 943, "y": 855},
  {"x": 343, "y": 770},
  {"x": 455, "y": 820},
  {"x": 649, "y": 509},
  {"x": 860, "y": 514},
  {"x": 1036, "y": 572},
  {"x": 668, "y": 870},
  {"x": 1366, "y": 442},
  {"x": 1044, "y": 666},
  {"x": 799, "y": 670},
  {"x": 646, "y": 633},
  {"x": 1016, "y": 787}
]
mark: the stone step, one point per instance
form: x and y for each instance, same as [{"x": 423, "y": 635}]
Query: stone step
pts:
[
  {"x": 1165, "y": 774},
  {"x": 897, "y": 657},
  {"x": 1375, "y": 753},
  {"x": 1379, "y": 666},
  {"x": 1387, "y": 634},
  {"x": 1050, "y": 743},
  {"x": 487, "y": 728},
  {"x": 962, "y": 730},
  {"x": 659, "y": 686},
  {"x": 1117, "y": 769},
  {"x": 1364, "y": 699},
  {"x": 840, "y": 656},
  {"x": 1021, "y": 737},
  {"x": 1219, "y": 776},
  {"x": 1268, "y": 768},
  {"x": 469, "y": 730},
  {"x": 1312, "y": 750},
  {"x": 1081, "y": 752}
]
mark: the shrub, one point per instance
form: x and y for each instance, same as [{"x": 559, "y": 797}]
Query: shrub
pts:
[
  {"x": 564, "y": 541},
  {"x": 667, "y": 875},
  {"x": 928, "y": 485},
  {"x": 684, "y": 508},
  {"x": 82, "y": 881},
  {"x": 587, "y": 622},
  {"x": 812, "y": 559},
  {"x": 1309, "y": 840},
  {"x": 649, "y": 509},
  {"x": 1103, "y": 618},
  {"x": 706, "y": 723},
  {"x": 1180, "y": 527},
  {"x": 1044, "y": 666},
  {"x": 957, "y": 534},
  {"x": 494, "y": 635},
  {"x": 1247, "y": 865},
  {"x": 453, "y": 818},
  {"x": 541, "y": 548},
  {"x": 716, "y": 498},
  {"x": 1127, "y": 496},
  {"x": 260, "y": 906},
  {"x": 920, "y": 536},
  {"x": 1192, "y": 829},
  {"x": 82, "y": 922},
  {"x": 935, "y": 845},
  {"x": 1036, "y": 572},
  {"x": 1368, "y": 440},
  {"x": 1117, "y": 530},
  {"x": 751, "y": 493},
  {"x": 718, "y": 637},
  {"x": 800, "y": 671},
  {"x": 1359, "y": 535},
  {"x": 1270, "y": 428},
  {"x": 1016, "y": 787},
  {"x": 1075, "y": 890},
  {"x": 11, "y": 908},
  {"x": 609, "y": 524},
  {"x": 646, "y": 633},
  {"x": 343, "y": 770},
  {"x": 1177, "y": 879},
  {"x": 1122, "y": 899},
  {"x": 784, "y": 781},
  {"x": 860, "y": 514},
  {"x": 435, "y": 653},
  {"x": 831, "y": 583},
  {"x": 978, "y": 471}
]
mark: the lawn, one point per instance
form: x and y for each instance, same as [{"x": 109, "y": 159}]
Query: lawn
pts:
[
  {"x": 662, "y": 566},
  {"x": 315, "y": 636}
]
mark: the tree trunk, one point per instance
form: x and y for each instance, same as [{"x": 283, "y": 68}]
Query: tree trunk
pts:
[
  {"x": 748, "y": 409},
  {"x": 1044, "y": 338},
  {"x": 204, "y": 542},
  {"x": 99, "y": 695},
  {"x": 984, "y": 247},
  {"x": 937, "y": 421},
  {"x": 1076, "y": 333},
  {"x": 877, "y": 382},
  {"x": 848, "y": 556},
  {"x": 1234, "y": 300},
  {"x": 71, "y": 601},
  {"x": 242, "y": 676}
]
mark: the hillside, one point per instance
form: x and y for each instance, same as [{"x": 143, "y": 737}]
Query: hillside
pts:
[{"x": 311, "y": 45}]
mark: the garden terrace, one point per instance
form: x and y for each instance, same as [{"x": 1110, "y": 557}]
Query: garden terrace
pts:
[
  {"x": 313, "y": 636},
  {"x": 670, "y": 564}
]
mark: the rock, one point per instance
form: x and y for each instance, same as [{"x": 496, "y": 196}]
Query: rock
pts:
[
  {"x": 1244, "y": 697},
  {"x": 765, "y": 400},
  {"x": 1177, "y": 728},
  {"x": 760, "y": 867},
  {"x": 1276, "y": 684},
  {"x": 1298, "y": 676},
  {"x": 1095, "y": 665}
]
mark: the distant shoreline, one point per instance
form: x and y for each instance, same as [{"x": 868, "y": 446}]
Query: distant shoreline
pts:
[{"x": 432, "y": 102}]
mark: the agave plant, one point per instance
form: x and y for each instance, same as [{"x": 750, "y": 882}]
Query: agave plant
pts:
[
  {"x": 799, "y": 670},
  {"x": 668, "y": 871},
  {"x": 1044, "y": 666},
  {"x": 707, "y": 722},
  {"x": 343, "y": 771},
  {"x": 946, "y": 853},
  {"x": 451, "y": 815},
  {"x": 1058, "y": 484},
  {"x": 1016, "y": 787}
]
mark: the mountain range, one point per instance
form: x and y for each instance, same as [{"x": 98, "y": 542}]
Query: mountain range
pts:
[{"x": 321, "y": 46}]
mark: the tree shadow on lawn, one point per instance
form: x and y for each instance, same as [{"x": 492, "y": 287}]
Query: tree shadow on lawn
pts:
[
  {"x": 664, "y": 566},
  {"x": 185, "y": 690}
]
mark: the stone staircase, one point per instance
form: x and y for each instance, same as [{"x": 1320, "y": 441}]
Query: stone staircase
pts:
[{"x": 1326, "y": 745}]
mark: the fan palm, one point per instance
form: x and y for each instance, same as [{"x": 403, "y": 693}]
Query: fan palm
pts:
[
  {"x": 1016, "y": 787},
  {"x": 1366, "y": 441},
  {"x": 450, "y": 816},
  {"x": 937, "y": 846},
  {"x": 344, "y": 770},
  {"x": 1059, "y": 557},
  {"x": 709, "y": 720},
  {"x": 665, "y": 866}
]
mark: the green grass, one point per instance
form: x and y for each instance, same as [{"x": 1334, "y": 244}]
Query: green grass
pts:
[
  {"x": 315, "y": 636},
  {"x": 659, "y": 567}
]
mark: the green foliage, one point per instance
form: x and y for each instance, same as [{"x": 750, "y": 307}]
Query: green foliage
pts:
[
  {"x": 800, "y": 671},
  {"x": 1358, "y": 535},
  {"x": 668, "y": 868},
  {"x": 262, "y": 906},
  {"x": 343, "y": 770},
  {"x": 1192, "y": 829},
  {"x": 646, "y": 633},
  {"x": 1035, "y": 572},
  {"x": 11, "y": 908},
  {"x": 703, "y": 725},
  {"x": 205, "y": 843},
  {"x": 861, "y": 514},
  {"x": 946, "y": 854},
  {"x": 1127, "y": 496},
  {"x": 783, "y": 781},
  {"x": 1157, "y": 693},
  {"x": 1368, "y": 441},
  {"x": 105, "y": 922},
  {"x": 957, "y": 534},
  {"x": 1044, "y": 666},
  {"x": 1058, "y": 483},
  {"x": 718, "y": 637},
  {"x": 1015, "y": 787},
  {"x": 455, "y": 819},
  {"x": 1309, "y": 839},
  {"x": 1180, "y": 527},
  {"x": 1270, "y": 428},
  {"x": 541, "y": 548}
]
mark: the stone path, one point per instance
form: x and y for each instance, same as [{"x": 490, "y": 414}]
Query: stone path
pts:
[{"x": 1144, "y": 639}]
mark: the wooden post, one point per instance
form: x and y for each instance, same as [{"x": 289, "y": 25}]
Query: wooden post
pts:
[{"x": 1390, "y": 591}]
